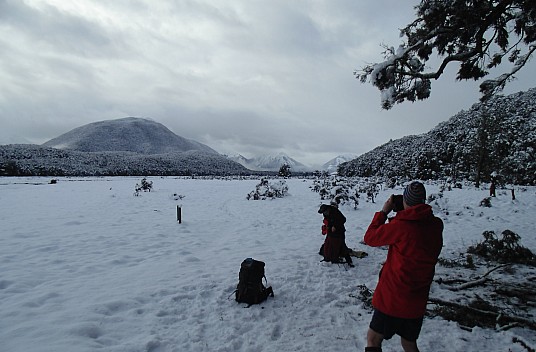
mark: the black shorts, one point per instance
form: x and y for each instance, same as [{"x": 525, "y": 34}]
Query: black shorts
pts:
[{"x": 387, "y": 325}]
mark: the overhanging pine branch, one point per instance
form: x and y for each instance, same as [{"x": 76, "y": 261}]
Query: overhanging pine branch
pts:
[{"x": 489, "y": 87}]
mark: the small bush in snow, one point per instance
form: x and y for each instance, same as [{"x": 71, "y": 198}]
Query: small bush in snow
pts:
[
  {"x": 391, "y": 183},
  {"x": 434, "y": 196},
  {"x": 339, "y": 190},
  {"x": 144, "y": 185},
  {"x": 486, "y": 202},
  {"x": 372, "y": 189},
  {"x": 505, "y": 250},
  {"x": 266, "y": 190},
  {"x": 365, "y": 296},
  {"x": 176, "y": 196},
  {"x": 284, "y": 170}
]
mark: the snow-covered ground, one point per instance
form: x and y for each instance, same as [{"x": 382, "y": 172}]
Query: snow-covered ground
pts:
[{"x": 87, "y": 266}]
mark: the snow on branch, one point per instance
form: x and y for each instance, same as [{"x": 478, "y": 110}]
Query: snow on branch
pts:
[
  {"x": 479, "y": 281},
  {"x": 508, "y": 319},
  {"x": 492, "y": 86},
  {"x": 477, "y": 37}
]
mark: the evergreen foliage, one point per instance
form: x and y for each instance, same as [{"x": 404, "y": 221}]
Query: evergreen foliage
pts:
[
  {"x": 266, "y": 190},
  {"x": 284, "y": 170},
  {"x": 33, "y": 160},
  {"x": 486, "y": 202},
  {"x": 493, "y": 138},
  {"x": 479, "y": 35},
  {"x": 345, "y": 190},
  {"x": 144, "y": 185},
  {"x": 506, "y": 249}
]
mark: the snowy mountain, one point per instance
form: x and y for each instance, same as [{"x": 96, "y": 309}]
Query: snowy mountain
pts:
[
  {"x": 333, "y": 164},
  {"x": 269, "y": 162},
  {"x": 496, "y": 138},
  {"x": 129, "y": 146},
  {"x": 238, "y": 158},
  {"x": 129, "y": 134}
]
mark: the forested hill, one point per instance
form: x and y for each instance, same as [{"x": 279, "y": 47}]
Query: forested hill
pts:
[
  {"x": 130, "y": 134},
  {"x": 128, "y": 146},
  {"x": 34, "y": 160},
  {"x": 496, "y": 138}
]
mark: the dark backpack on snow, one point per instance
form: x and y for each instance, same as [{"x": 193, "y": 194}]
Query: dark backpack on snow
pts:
[{"x": 250, "y": 288}]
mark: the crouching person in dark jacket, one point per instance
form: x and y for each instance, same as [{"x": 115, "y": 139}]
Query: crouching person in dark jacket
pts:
[{"x": 334, "y": 246}]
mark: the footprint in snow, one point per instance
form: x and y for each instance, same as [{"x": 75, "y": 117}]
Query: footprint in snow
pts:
[{"x": 276, "y": 333}]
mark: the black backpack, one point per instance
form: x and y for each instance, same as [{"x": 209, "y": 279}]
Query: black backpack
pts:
[{"x": 250, "y": 289}]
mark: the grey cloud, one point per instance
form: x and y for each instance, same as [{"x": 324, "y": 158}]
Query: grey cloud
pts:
[
  {"x": 50, "y": 29},
  {"x": 244, "y": 76}
]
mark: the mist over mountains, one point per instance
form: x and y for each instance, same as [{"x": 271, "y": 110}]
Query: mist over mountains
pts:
[
  {"x": 131, "y": 146},
  {"x": 269, "y": 162},
  {"x": 333, "y": 165},
  {"x": 274, "y": 162},
  {"x": 497, "y": 138}
]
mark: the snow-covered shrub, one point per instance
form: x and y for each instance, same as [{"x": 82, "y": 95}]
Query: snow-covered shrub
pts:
[
  {"x": 176, "y": 196},
  {"x": 266, "y": 190},
  {"x": 144, "y": 185},
  {"x": 434, "y": 196},
  {"x": 339, "y": 190},
  {"x": 365, "y": 296},
  {"x": 371, "y": 189},
  {"x": 391, "y": 183},
  {"x": 284, "y": 170},
  {"x": 486, "y": 202},
  {"x": 506, "y": 250},
  {"x": 463, "y": 261},
  {"x": 322, "y": 186},
  {"x": 445, "y": 186}
]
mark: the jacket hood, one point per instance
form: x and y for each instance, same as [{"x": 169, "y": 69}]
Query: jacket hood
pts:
[{"x": 417, "y": 212}]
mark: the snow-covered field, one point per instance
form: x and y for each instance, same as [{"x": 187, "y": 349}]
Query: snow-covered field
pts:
[{"x": 87, "y": 266}]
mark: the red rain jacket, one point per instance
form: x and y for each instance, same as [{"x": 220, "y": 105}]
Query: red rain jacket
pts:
[{"x": 415, "y": 238}]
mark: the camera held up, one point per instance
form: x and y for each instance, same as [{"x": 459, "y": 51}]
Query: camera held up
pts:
[{"x": 398, "y": 203}]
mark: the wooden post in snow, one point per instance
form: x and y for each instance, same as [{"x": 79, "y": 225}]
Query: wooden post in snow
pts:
[{"x": 179, "y": 214}]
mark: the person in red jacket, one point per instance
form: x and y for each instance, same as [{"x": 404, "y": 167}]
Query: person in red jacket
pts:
[{"x": 415, "y": 239}]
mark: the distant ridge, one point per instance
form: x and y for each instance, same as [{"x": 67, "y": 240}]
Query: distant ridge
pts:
[
  {"x": 332, "y": 165},
  {"x": 270, "y": 162},
  {"x": 130, "y": 134}
]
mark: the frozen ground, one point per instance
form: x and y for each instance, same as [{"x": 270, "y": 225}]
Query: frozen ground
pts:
[{"x": 86, "y": 266}]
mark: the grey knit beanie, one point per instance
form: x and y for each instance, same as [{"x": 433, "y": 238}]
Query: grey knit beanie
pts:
[{"x": 414, "y": 193}]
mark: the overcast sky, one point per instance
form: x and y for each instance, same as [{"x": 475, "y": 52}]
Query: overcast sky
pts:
[{"x": 242, "y": 76}]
